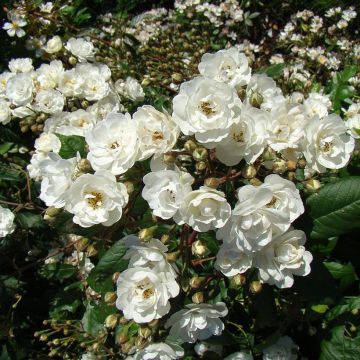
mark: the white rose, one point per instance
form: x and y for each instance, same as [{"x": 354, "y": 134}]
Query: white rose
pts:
[
  {"x": 159, "y": 351},
  {"x": 286, "y": 127},
  {"x": 22, "y": 111},
  {"x": 47, "y": 142},
  {"x": 53, "y": 45},
  {"x": 143, "y": 294},
  {"x": 4, "y": 78},
  {"x": 109, "y": 104},
  {"x": 57, "y": 177},
  {"x": 130, "y": 88},
  {"x": 78, "y": 123},
  {"x": 240, "y": 355},
  {"x": 34, "y": 168},
  {"x": 147, "y": 254},
  {"x": 165, "y": 190},
  {"x": 48, "y": 75},
  {"x": 247, "y": 138},
  {"x": 353, "y": 124},
  {"x": 96, "y": 199},
  {"x": 21, "y": 65},
  {"x": 317, "y": 104},
  {"x": 19, "y": 89},
  {"x": 81, "y": 48},
  {"x": 113, "y": 144},
  {"x": 197, "y": 322},
  {"x": 254, "y": 220},
  {"x": 204, "y": 209},
  {"x": 228, "y": 66},
  {"x": 49, "y": 101},
  {"x": 5, "y": 112},
  {"x": 157, "y": 132},
  {"x": 283, "y": 349},
  {"x": 71, "y": 83},
  {"x": 286, "y": 197},
  {"x": 267, "y": 93},
  {"x": 327, "y": 144},
  {"x": 7, "y": 225},
  {"x": 94, "y": 85},
  {"x": 206, "y": 108},
  {"x": 230, "y": 260},
  {"x": 284, "y": 257}
]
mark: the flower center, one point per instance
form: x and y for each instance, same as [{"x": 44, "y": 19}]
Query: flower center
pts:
[
  {"x": 207, "y": 108},
  {"x": 327, "y": 147},
  {"x": 157, "y": 135},
  {"x": 272, "y": 203},
  {"x": 115, "y": 145},
  {"x": 94, "y": 199},
  {"x": 238, "y": 137}
]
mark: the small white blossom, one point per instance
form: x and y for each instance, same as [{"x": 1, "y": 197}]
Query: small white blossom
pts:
[
  {"x": 96, "y": 199},
  {"x": 143, "y": 294},
  {"x": 353, "y": 124},
  {"x": 159, "y": 351},
  {"x": 19, "y": 89},
  {"x": 157, "y": 132},
  {"x": 21, "y": 65},
  {"x": 284, "y": 257},
  {"x": 5, "y": 112},
  {"x": 165, "y": 190},
  {"x": 14, "y": 27},
  {"x": 130, "y": 88},
  {"x": 228, "y": 66},
  {"x": 197, "y": 322},
  {"x": 7, "y": 225},
  {"x": 81, "y": 48},
  {"x": 113, "y": 144},
  {"x": 204, "y": 209},
  {"x": 327, "y": 144},
  {"x": 49, "y": 101},
  {"x": 47, "y": 142},
  {"x": 48, "y": 75},
  {"x": 53, "y": 45},
  {"x": 207, "y": 109},
  {"x": 317, "y": 104}
]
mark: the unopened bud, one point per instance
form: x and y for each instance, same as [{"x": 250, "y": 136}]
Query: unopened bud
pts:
[
  {"x": 144, "y": 332},
  {"x": 165, "y": 239},
  {"x": 91, "y": 251},
  {"x": 279, "y": 166},
  {"x": 199, "y": 248},
  {"x": 201, "y": 166},
  {"x": 84, "y": 165},
  {"x": 241, "y": 91},
  {"x": 123, "y": 320},
  {"x": 110, "y": 297},
  {"x": 301, "y": 164},
  {"x": 111, "y": 321},
  {"x": 72, "y": 60},
  {"x": 115, "y": 277},
  {"x": 255, "y": 182},
  {"x": 198, "y": 297},
  {"x": 52, "y": 211},
  {"x": 312, "y": 185},
  {"x": 269, "y": 154},
  {"x": 238, "y": 280},
  {"x": 85, "y": 104},
  {"x": 43, "y": 337},
  {"x": 169, "y": 159},
  {"x": 291, "y": 175},
  {"x": 95, "y": 347},
  {"x": 190, "y": 145},
  {"x": 153, "y": 323},
  {"x": 353, "y": 328},
  {"x": 146, "y": 82},
  {"x": 196, "y": 281},
  {"x": 177, "y": 77},
  {"x": 249, "y": 172},
  {"x": 212, "y": 182},
  {"x": 56, "y": 342},
  {"x": 255, "y": 287},
  {"x": 355, "y": 311},
  {"x": 200, "y": 154},
  {"x": 291, "y": 165},
  {"x": 129, "y": 187},
  {"x": 53, "y": 353},
  {"x": 127, "y": 347},
  {"x": 312, "y": 330},
  {"x": 256, "y": 99},
  {"x": 172, "y": 257},
  {"x": 80, "y": 243},
  {"x": 147, "y": 233}
]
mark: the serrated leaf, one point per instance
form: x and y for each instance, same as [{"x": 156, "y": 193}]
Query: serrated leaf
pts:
[
  {"x": 336, "y": 208},
  {"x": 112, "y": 261},
  {"x": 28, "y": 220},
  {"x": 94, "y": 317},
  {"x": 339, "y": 346}
]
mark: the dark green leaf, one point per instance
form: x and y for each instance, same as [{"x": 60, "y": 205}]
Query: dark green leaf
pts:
[
  {"x": 336, "y": 208},
  {"x": 57, "y": 270},
  {"x": 344, "y": 307},
  {"x": 112, "y": 261},
  {"x": 344, "y": 273},
  {"x": 70, "y": 145},
  {"x": 27, "y": 220},
  {"x": 94, "y": 317}
]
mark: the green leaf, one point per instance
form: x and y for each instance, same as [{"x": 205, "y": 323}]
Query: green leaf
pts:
[
  {"x": 100, "y": 278},
  {"x": 94, "y": 317},
  {"x": 28, "y": 220},
  {"x": 336, "y": 208},
  {"x": 346, "y": 306},
  {"x": 339, "y": 346},
  {"x": 57, "y": 270},
  {"x": 70, "y": 145},
  {"x": 5, "y": 147},
  {"x": 273, "y": 70},
  {"x": 344, "y": 273},
  {"x": 320, "y": 308}
]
